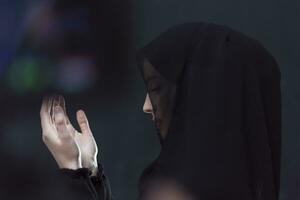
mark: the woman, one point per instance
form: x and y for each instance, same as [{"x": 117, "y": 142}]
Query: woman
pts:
[{"x": 214, "y": 94}]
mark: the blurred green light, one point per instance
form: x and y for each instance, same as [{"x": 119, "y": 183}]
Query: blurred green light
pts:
[{"x": 26, "y": 75}]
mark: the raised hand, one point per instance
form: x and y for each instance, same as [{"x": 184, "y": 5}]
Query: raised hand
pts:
[
  {"x": 84, "y": 140},
  {"x": 57, "y": 137}
]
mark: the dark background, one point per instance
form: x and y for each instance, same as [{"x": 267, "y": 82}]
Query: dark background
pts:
[{"x": 85, "y": 50}]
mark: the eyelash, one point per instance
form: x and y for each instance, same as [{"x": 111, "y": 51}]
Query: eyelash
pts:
[{"x": 154, "y": 89}]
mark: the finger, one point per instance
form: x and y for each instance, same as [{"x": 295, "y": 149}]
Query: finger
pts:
[
  {"x": 60, "y": 121},
  {"x": 62, "y": 103},
  {"x": 83, "y": 122},
  {"x": 50, "y": 111},
  {"x": 44, "y": 114},
  {"x": 54, "y": 103}
]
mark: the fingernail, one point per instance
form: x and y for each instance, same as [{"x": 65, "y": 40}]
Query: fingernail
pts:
[
  {"x": 57, "y": 109},
  {"x": 80, "y": 113}
]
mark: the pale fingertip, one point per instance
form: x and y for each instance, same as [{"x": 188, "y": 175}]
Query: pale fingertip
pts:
[
  {"x": 80, "y": 112},
  {"x": 56, "y": 100},
  {"x": 43, "y": 107},
  {"x": 44, "y": 114},
  {"x": 81, "y": 116},
  {"x": 58, "y": 109},
  {"x": 44, "y": 102},
  {"x": 82, "y": 121},
  {"x": 62, "y": 102},
  {"x": 50, "y": 103}
]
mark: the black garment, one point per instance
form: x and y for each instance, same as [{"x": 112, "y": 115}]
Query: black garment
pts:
[
  {"x": 95, "y": 187},
  {"x": 216, "y": 93},
  {"x": 31, "y": 179}
]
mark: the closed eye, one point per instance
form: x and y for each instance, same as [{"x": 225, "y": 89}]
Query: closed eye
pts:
[{"x": 155, "y": 89}]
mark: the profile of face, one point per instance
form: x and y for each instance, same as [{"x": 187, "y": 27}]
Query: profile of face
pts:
[
  {"x": 159, "y": 99},
  {"x": 148, "y": 108}
]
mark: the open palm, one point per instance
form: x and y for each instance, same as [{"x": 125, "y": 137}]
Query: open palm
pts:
[
  {"x": 84, "y": 139},
  {"x": 70, "y": 148}
]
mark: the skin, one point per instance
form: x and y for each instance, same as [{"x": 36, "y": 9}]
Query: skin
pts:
[
  {"x": 70, "y": 148},
  {"x": 161, "y": 92},
  {"x": 161, "y": 122},
  {"x": 73, "y": 150},
  {"x": 147, "y": 108}
]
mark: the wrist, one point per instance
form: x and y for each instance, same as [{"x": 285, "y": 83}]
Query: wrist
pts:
[
  {"x": 73, "y": 164},
  {"x": 91, "y": 164}
]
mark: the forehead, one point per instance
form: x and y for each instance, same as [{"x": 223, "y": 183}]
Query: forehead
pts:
[
  {"x": 149, "y": 71},
  {"x": 152, "y": 75}
]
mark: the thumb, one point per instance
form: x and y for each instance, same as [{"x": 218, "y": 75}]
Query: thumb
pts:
[{"x": 83, "y": 122}]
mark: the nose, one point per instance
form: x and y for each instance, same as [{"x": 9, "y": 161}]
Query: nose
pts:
[{"x": 147, "y": 108}]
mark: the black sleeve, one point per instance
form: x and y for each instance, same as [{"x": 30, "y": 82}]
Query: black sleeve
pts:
[
  {"x": 101, "y": 184},
  {"x": 93, "y": 187}
]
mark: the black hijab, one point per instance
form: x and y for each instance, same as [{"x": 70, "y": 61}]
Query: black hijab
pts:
[{"x": 217, "y": 94}]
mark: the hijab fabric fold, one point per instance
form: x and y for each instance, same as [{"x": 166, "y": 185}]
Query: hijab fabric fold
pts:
[{"x": 216, "y": 92}]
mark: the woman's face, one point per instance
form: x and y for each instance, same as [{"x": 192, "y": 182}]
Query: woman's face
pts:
[
  {"x": 159, "y": 99},
  {"x": 161, "y": 123}
]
